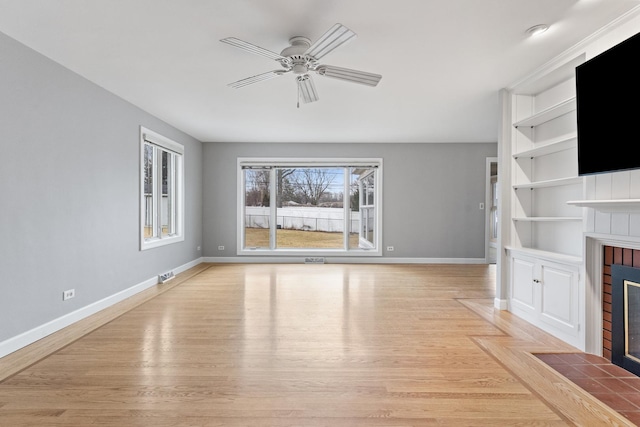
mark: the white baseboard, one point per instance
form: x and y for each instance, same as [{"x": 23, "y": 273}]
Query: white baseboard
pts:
[
  {"x": 342, "y": 260},
  {"x": 185, "y": 267},
  {"x": 29, "y": 337},
  {"x": 501, "y": 304}
]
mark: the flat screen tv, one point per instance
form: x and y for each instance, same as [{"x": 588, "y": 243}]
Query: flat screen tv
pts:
[{"x": 608, "y": 109}]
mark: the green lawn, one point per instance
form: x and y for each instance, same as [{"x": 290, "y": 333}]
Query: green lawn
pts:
[{"x": 259, "y": 238}]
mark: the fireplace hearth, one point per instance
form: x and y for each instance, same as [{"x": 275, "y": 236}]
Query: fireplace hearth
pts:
[{"x": 625, "y": 317}]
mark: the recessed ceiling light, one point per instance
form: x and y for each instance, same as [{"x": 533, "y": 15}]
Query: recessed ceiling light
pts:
[{"x": 536, "y": 30}]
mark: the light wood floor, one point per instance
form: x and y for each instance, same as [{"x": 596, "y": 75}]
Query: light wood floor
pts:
[{"x": 299, "y": 345}]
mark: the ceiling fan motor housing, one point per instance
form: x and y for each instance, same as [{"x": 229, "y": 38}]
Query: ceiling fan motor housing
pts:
[
  {"x": 299, "y": 45},
  {"x": 300, "y": 63}
]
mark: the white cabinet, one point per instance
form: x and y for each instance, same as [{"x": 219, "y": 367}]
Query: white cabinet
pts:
[
  {"x": 524, "y": 298},
  {"x": 546, "y": 293}
]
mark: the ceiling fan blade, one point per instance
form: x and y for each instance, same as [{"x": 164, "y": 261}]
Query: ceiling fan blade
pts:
[
  {"x": 335, "y": 37},
  {"x": 306, "y": 89},
  {"x": 257, "y": 78},
  {"x": 346, "y": 74},
  {"x": 251, "y": 48}
]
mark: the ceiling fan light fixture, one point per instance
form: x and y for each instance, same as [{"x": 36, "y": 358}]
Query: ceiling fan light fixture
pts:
[
  {"x": 300, "y": 68},
  {"x": 536, "y": 30}
]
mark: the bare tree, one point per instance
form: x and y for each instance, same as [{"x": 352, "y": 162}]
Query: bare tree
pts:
[
  {"x": 257, "y": 187},
  {"x": 281, "y": 175},
  {"x": 311, "y": 184},
  {"x": 148, "y": 169}
]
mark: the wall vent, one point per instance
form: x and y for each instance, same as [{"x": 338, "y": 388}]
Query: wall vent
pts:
[
  {"x": 165, "y": 277},
  {"x": 314, "y": 260}
]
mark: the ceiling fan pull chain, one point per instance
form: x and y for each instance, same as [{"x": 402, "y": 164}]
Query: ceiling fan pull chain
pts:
[{"x": 298, "y": 96}]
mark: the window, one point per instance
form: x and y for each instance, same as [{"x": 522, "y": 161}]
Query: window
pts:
[
  {"x": 493, "y": 213},
  {"x": 366, "y": 188},
  {"x": 161, "y": 190},
  {"x": 319, "y": 206}
]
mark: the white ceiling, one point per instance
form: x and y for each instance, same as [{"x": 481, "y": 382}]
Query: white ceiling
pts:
[{"x": 442, "y": 61}]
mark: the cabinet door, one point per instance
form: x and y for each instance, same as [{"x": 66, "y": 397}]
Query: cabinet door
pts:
[
  {"x": 523, "y": 289},
  {"x": 559, "y": 299}
]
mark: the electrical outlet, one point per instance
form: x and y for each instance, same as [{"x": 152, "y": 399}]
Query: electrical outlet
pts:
[
  {"x": 68, "y": 294},
  {"x": 390, "y": 249},
  {"x": 221, "y": 248},
  {"x": 165, "y": 277},
  {"x": 198, "y": 248}
]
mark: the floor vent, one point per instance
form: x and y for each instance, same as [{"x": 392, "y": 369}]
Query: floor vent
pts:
[
  {"x": 314, "y": 260},
  {"x": 165, "y": 277}
]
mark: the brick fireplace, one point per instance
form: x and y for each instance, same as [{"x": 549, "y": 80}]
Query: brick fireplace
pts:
[{"x": 613, "y": 255}]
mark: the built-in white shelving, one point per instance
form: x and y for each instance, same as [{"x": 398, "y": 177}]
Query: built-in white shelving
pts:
[
  {"x": 546, "y": 233},
  {"x": 609, "y": 206},
  {"x": 548, "y": 183},
  {"x": 548, "y": 218},
  {"x": 548, "y": 114},
  {"x": 554, "y": 145},
  {"x": 551, "y": 256},
  {"x": 544, "y": 172}
]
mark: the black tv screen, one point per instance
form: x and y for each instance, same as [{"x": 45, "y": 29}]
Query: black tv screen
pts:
[{"x": 607, "y": 97}]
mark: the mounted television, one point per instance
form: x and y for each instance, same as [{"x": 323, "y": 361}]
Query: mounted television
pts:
[{"x": 607, "y": 97}]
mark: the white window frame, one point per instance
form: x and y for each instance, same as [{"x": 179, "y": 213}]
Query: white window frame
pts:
[
  {"x": 372, "y": 250},
  {"x": 364, "y": 193},
  {"x": 150, "y": 137}
]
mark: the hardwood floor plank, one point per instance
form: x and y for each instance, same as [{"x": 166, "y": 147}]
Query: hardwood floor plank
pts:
[
  {"x": 26, "y": 356},
  {"x": 300, "y": 345}
]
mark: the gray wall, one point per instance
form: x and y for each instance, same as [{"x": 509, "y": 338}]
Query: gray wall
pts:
[
  {"x": 69, "y": 192},
  {"x": 431, "y": 194}
]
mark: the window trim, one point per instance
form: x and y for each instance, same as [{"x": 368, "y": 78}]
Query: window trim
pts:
[
  {"x": 364, "y": 203},
  {"x": 243, "y": 162},
  {"x": 148, "y": 136}
]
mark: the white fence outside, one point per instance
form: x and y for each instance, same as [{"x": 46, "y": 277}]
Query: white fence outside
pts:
[{"x": 308, "y": 218}]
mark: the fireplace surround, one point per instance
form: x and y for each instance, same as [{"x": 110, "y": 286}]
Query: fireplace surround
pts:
[
  {"x": 625, "y": 317},
  {"x": 604, "y": 257}
]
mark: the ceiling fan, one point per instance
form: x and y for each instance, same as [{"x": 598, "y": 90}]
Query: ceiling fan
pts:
[{"x": 302, "y": 58}]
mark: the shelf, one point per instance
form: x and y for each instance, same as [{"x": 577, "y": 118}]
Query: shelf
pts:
[
  {"x": 548, "y": 114},
  {"x": 552, "y": 256},
  {"x": 549, "y": 183},
  {"x": 548, "y": 218},
  {"x": 609, "y": 206},
  {"x": 555, "y": 145}
]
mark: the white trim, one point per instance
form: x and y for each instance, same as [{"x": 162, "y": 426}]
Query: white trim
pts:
[
  {"x": 488, "y": 200},
  {"x": 29, "y": 337},
  {"x": 156, "y": 138},
  {"x": 576, "y": 50},
  {"x": 151, "y": 137},
  {"x": 268, "y": 162},
  {"x": 240, "y": 204},
  {"x": 339, "y": 260},
  {"x": 310, "y": 162},
  {"x": 500, "y": 304}
]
